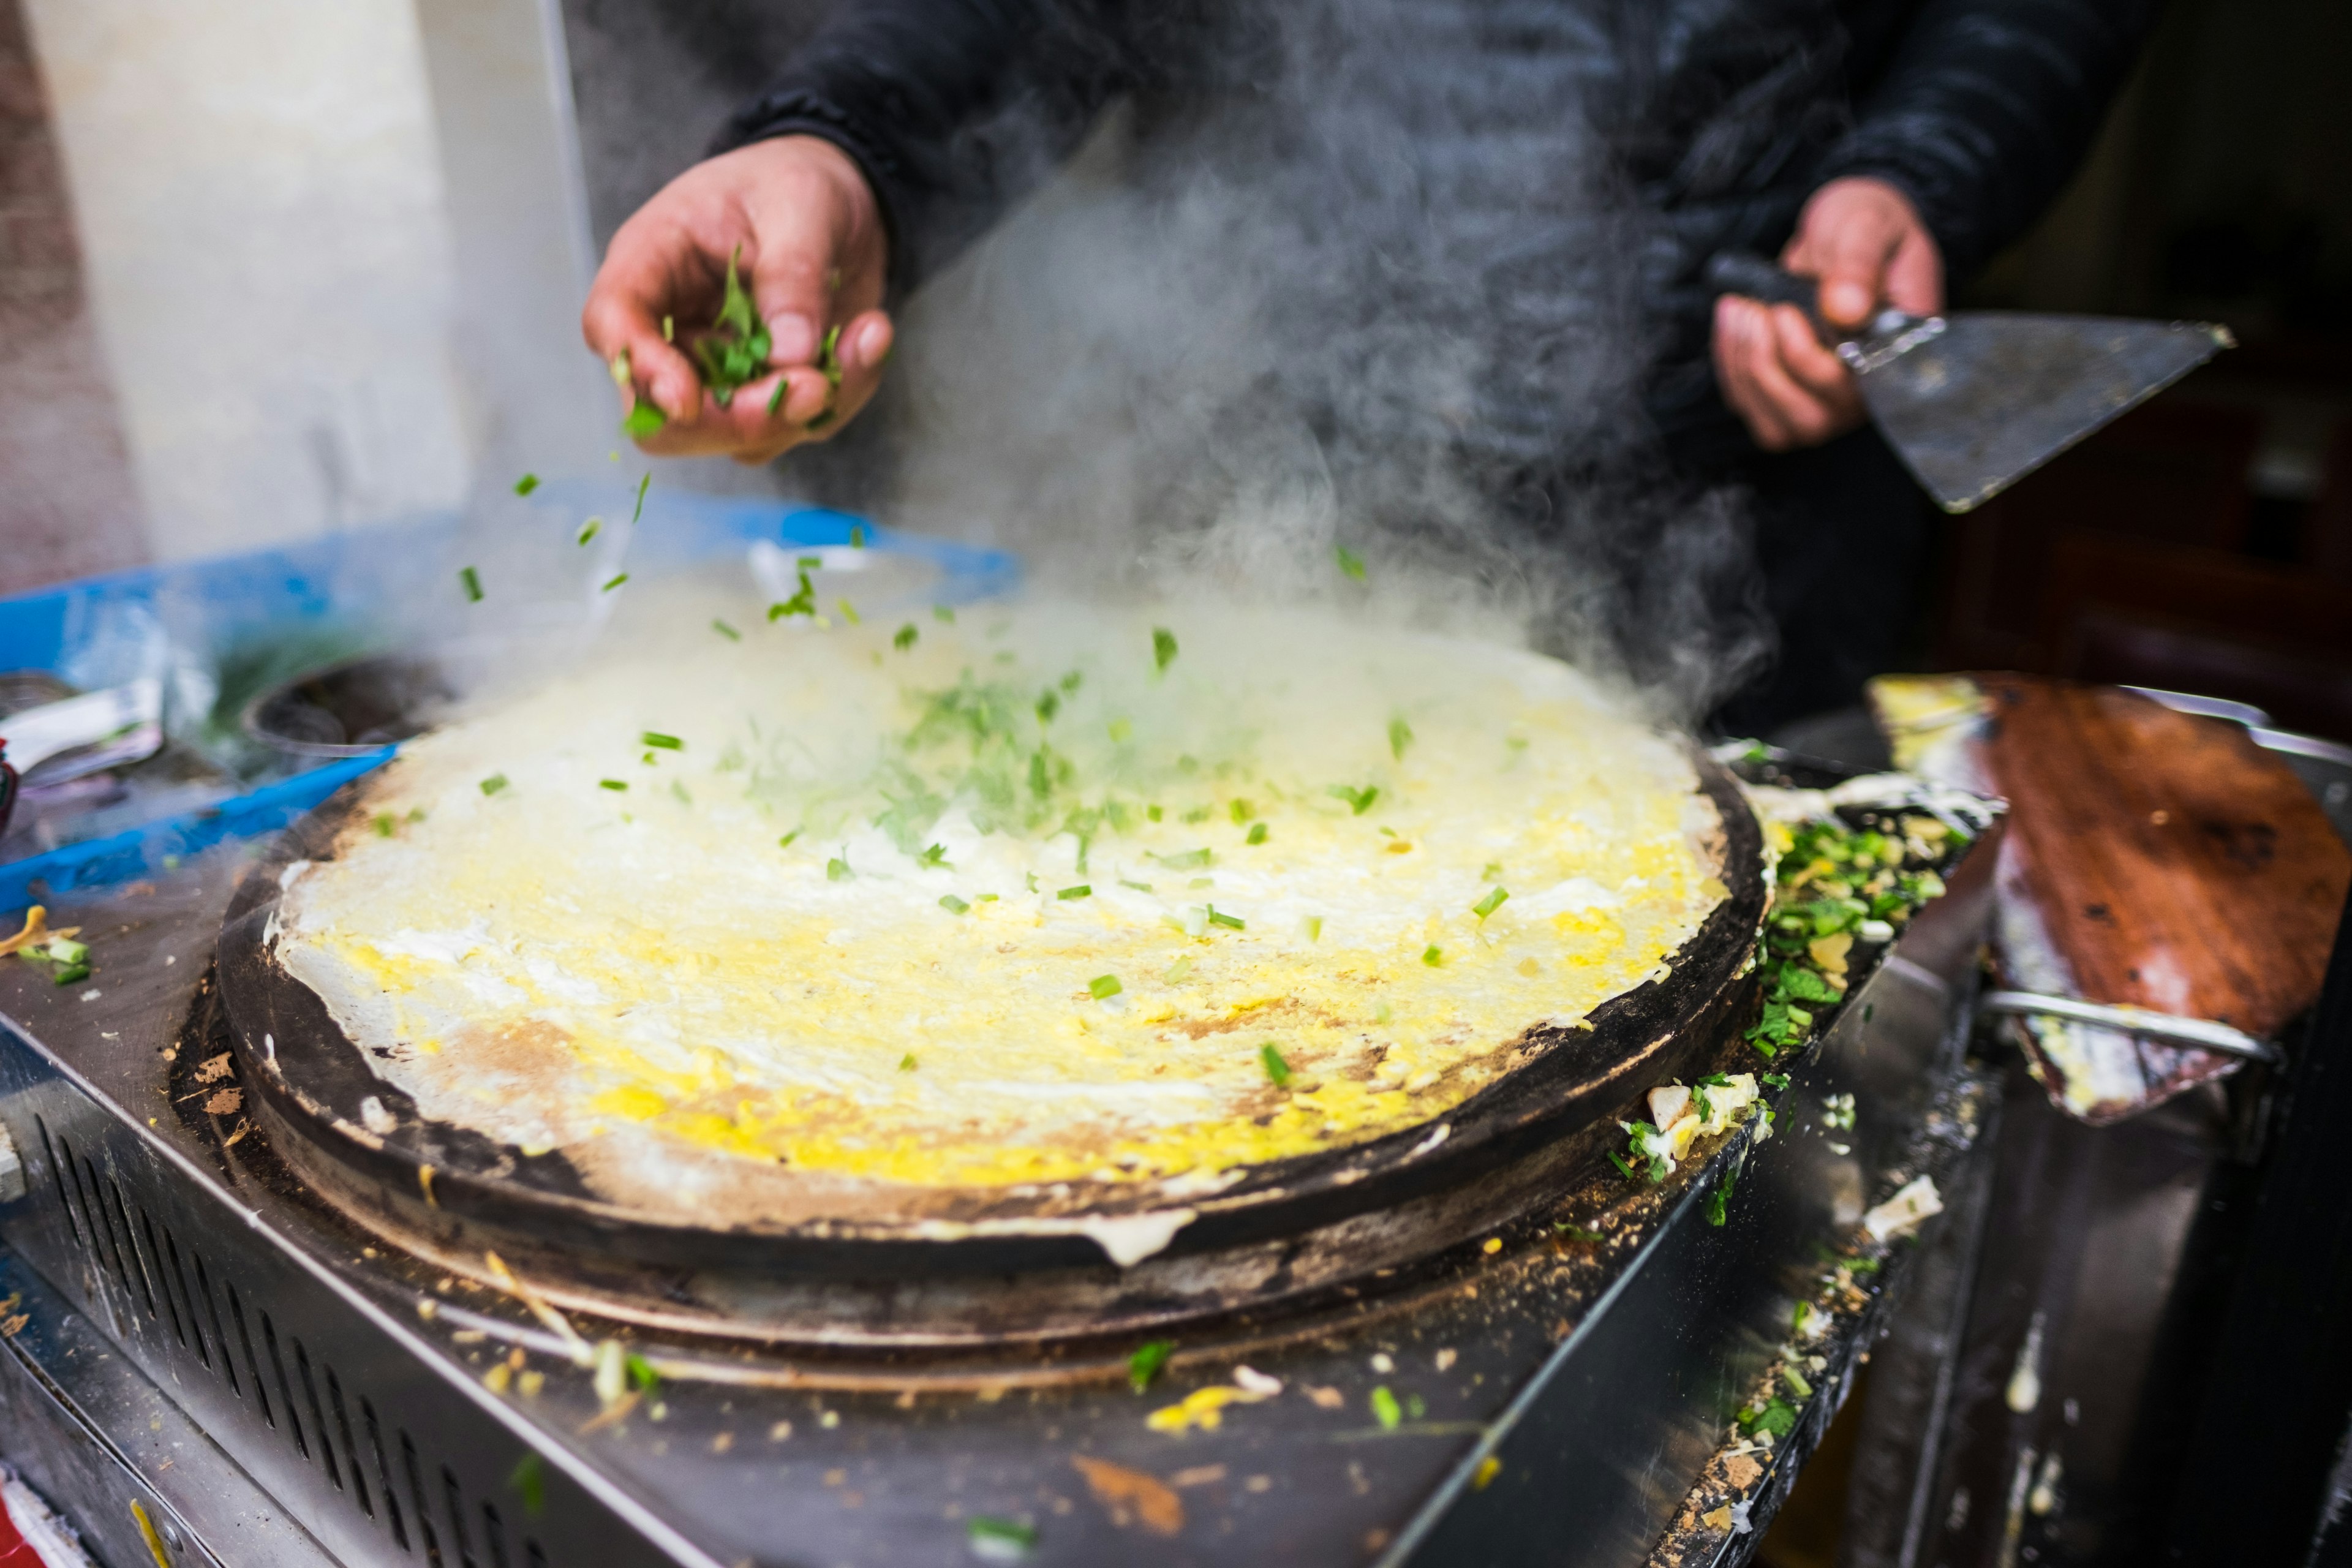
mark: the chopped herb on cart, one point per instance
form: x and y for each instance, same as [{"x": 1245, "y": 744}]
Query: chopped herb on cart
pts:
[
  {"x": 1145, "y": 1364},
  {"x": 1777, "y": 1416},
  {"x": 528, "y": 1480}
]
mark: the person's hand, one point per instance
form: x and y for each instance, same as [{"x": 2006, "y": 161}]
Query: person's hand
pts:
[
  {"x": 814, "y": 257},
  {"x": 1864, "y": 240}
]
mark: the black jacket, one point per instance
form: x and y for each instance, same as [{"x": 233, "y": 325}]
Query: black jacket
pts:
[{"x": 1719, "y": 116}]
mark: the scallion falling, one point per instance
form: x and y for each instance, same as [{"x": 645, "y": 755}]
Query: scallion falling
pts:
[
  {"x": 525, "y": 484},
  {"x": 613, "y": 581},
  {"x": 471, "y": 581},
  {"x": 1350, "y": 563},
  {"x": 1163, "y": 647}
]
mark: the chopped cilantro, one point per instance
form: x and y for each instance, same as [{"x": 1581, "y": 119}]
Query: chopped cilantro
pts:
[
  {"x": 1239, "y": 810},
  {"x": 990, "y": 1537},
  {"x": 1350, "y": 563},
  {"x": 1122, "y": 732},
  {"x": 1400, "y": 737},
  {"x": 1145, "y": 1364},
  {"x": 1777, "y": 1416},
  {"x": 1049, "y": 703},
  {"x": 1275, "y": 1067},
  {"x": 857, "y": 530},
  {"x": 953, "y": 905},
  {"x": 905, "y": 637},
  {"x": 1433, "y": 956},
  {"x": 385, "y": 823},
  {"x": 1490, "y": 904},
  {"x": 1385, "y": 1409},
  {"x": 1163, "y": 647},
  {"x": 643, "y": 418},
  {"x": 471, "y": 581},
  {"x": 733, "y": 351},
  {"x": 525, "y": 484},
  {"x": 1082, "y": 890},
  {"x": 528, "y": 1480}
]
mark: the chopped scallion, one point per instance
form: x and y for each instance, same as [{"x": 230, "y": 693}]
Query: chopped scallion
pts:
[
  {"x": 1350, "y": 563},
  {"x": 838, "y": 869},
  {"x": 954, "y": 905},
  {"x": 494, "y": 784},
  {"x": 1490, "y": 904},
  {"x": 612, "y": 785},
  {"x": 989, "y": 1537},
  {"x": 613, "y": 581},
  {"x": 1233, "y": 922},
  {"x": 1400, "y": 737},
  {"x": 1433, "y": 956},
  {"x": 1385, "y": 1409},
  {"x": 1275, "y": 1067},
  {"x": 1190, "y": 860},
  {"x": 1103, "y": 988},
  {"x": 724, "y": 630},
  {"x": 1138, "y": 886},
  {"x": 857, "y": 530},
  {"x": 1145, "y": 1364},
  {"x": 471, "y": 581},
  {"x": 642, "y": 485},
  {"x": 1163, "y": 647},
  {"x": 906, "y": 1062},
  {"x": 665, "y": 743},
  {"x": 525, "y": 484},
  {"x": 1257, "y": 833},
  {"x": 943, "y": 613},
  {"x": 588, "y": 531},
  {"x": 906, "y": 636},
  {"x": 1359, "y": 801},
  {"x": 1080, "y": 891}
]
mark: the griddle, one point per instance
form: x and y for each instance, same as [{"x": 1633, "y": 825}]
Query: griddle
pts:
[{"x": 1300, "y": 1230}]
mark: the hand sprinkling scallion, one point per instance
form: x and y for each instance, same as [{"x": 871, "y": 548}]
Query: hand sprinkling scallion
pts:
[
  {"x": 1490, "y": 904},
  {"x": 733, "y": 351},
  {"x": 1350, "y": 563},
  {"x": 724, "y": 630},
  {"x": 954, "y": 905},
  {"x": 1275, "y": 1067},
  {"x": 1082, "y": 890},
  {"x": 588, "y": 531},
  {"x": 471, "y": 581},
  {"x": 1400, "y": 737},
  {"x": 1103, "y": 988},
  {"x": 655, "y": 739},
  {"x": 494, "y": 784},
  {"x": 906, "y": 636},
  {"x": 1163, "y": 647},
  {"x": 1145, "y": 1364},
  {"x": 613, "y": 581},
  {"x": 525, "y": 484}
]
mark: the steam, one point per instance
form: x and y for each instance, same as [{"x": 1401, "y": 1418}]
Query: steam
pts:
[{"x": 1384, "y": 294}]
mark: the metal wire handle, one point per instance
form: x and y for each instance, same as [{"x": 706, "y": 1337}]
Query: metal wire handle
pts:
[{"x": 2204, "y": 1032}]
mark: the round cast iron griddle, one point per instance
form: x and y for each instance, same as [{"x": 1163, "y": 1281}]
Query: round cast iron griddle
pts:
[{"x": 974, "y": 1265}]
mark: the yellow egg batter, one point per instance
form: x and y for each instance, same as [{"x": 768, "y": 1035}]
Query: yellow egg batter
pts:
[{"x": 1025, "y": 898}]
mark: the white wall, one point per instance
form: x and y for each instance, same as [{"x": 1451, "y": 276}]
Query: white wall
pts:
[{"x": 268, "y": 254}]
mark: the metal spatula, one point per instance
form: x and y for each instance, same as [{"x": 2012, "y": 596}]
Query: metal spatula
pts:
[{"x": 1975, "y": 400}]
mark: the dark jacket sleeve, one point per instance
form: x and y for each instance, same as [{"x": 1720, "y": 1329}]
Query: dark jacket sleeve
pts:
[
  {"x": 952, "y": 109},
  {"x": 1986, "y": 109}
]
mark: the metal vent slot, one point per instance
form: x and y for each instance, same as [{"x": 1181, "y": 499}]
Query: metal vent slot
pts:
[
  {"x": 455, "y": 1498},
  {"x": 153, "y": 1258},
  {"x": 285, "y": 1388},
  {"x": 85, "y": 1182},
  {"x": 58, "y": 1174},
  {"x": 416, "y": 1497},
  {"x": 534, "y": 1556},
  {"x": 252, "y": 1362},
  {"x": 383, "y": 1474},
  {"x": 212, "y": 1310},
  {"x": 179, "y": 1281},
  {"x": 318, "y": 1418},
  {"x": 351, "y": 1453},
  {"x": 120, "y": 1213},
  {"x": 494, "y": 1529}
]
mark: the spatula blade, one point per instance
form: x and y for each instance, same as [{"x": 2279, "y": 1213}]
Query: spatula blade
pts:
[{"x": 2000, "y": 394}]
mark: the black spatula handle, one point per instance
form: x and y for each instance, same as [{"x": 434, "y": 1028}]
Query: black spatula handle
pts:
[{"x": 1746, "y": 273}]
